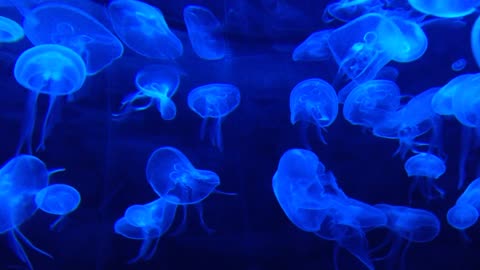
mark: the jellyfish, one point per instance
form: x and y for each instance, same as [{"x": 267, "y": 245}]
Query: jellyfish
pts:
[
  {"x": 459, "y": 64},
  {"x": 205, "y": 32},
  {"x": 414, "y": 42},
  {"x": 173, "y": 177},
  {"x": 314, "y": 48},
  {"x": 410, "y": 224},
  {"x": 56, "y": 23},
  {"x": 442, "y": 101},
  {"x": 466, "y": 104},
  {"x": 156, "y": 84},
  {"x": 10, "y": 30},
  {"x": 58, "y": 199},
  {"x": 313, "y": 101},
  {"x": 347, "y": 10},
  {"x": 48, "y": 69},
  {"x": 466, "y": 209},
  {"x": 144, "y": 30},
  {"x": 364, "y": 46},
  {"x": 216, "y": 101},
  {"x": 371, "y": 102},
  {"x": 475, "y": 40},
  {"x": 426, "y": 168},
  {"x": 20, "y": 179},
  {"x": 445, "y": 8},
  {"x": 148, "y": 223}
]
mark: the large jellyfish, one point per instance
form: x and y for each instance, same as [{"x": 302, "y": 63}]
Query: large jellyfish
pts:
[
  {"x": 205, "y": 32},
  {"x": 156, "y": 84},
  {"x": 148, "y": 223},
  {"x": 465, "y": 212},
  {"x": 56, "y": 23},
  {"x": 414, "y": 41},
  {"x": 49, "y": 69},
  {"x": 426, "y": 168},
  {"x": 216, "y": 101},
  {"x": 445, "y": 8},
  {"x": 20, "y": 179},
  {"x": 313, "y": 101},
  {"x": 314, "y": 47},
  {"x": 10, "y": 30},
  {"x": 143, "y": 29}
]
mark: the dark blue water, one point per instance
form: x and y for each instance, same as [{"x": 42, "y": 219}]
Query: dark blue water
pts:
[{"x": 105, "y": 159}]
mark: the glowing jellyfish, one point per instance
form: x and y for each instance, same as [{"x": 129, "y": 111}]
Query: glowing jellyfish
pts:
[
  {"x": 445, "y": 8},
  {"x": 48, "y": 69},
  {"x": 370, "y": 103},
  {"x": 426, "y": 168},
  {"x": 143, "y": 29},
  {"x": 475, "y": 40},
  {"x": 462, "y": 216},
  {"x": 442, "y": 101},
  {"x": 314, "y": 48},
  {"x": 58, "y": 199},
  {"x": 466, "y": 104},
  {"x": 363, "y": 46},
  {"x": 459, "y": 64},
  {"x": 314, "y": 101},
  {"x": 347, "y": 10},
  {"x": 414, "y": 42},
  {"x": 20, "y": 179},
  {"x": 205, "y": 32},
  {"x": 216, "y": 101},
  {"x": 156, "y": 84},
  {"x": 10, "y": 30},
  {"x": 55, "y": 23},
  {"x": 148, "y": 223}
]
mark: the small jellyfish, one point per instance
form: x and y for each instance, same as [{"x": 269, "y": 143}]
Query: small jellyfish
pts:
[
  {"x": 314, "y": 48},
  {"x": 148, "y": 223},
  {"x": 10, "y": 30},
  {"x": 462, "y": 216},
  {"x": 58, "y": 199},
  {"x": 413, "y": 43},
  {"x": 370, "y": 103},
  {"x": 205, "y": 32},
  {"x": 445, "y": 8},
  {"x": 347, "y": 10},
  {"x": 216, "y": 101},
  {"x": 48, "y": 69},
  {"x": 426, "y": 168},
  {"x": 313, "y": 101},
  {"x": 156, "y": 84},
  {"x": 459, "y": 64},
  {"x": 56, "y": 23},
  {"x": 143, "y": 29}
]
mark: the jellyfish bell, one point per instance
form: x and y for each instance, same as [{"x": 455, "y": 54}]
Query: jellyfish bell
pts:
[
  {"x": 10, "y": 31},
  {"x": 314, "y": 47},
  {"x": 426, "y": 168}
]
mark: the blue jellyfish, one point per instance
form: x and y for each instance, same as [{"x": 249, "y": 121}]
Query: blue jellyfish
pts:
[
  {"x": 314, "y": 48},
  {"x": 466, "y": 104},
  {"x": 347, "y": 10},
  {"x": 445, "y": 8},
  {"x": 414, "y": 42},
  {"x": 148, "y": 223},
  {"x": 205, "y": 32},
  {"x": 442, "y": 101},
  {"x": 143, "y": 29},
  {"x": 58, "y": 199},
  {"x": 364, "y": 46},
  {"x": 370, "y": 103},
  {"x": 156, "y": 84},
  {"x": 20, "y": 179},
  {"x": 216, "y": 101},
  {"x": 55, "y": 23},
  {"x": 10, "y": 30},
  {"x": 459, "y": 64},
  {"x": 313, "y": 101},
  {"x": 465, "y": 212},
  {"x": 34, "y": 70},
  {"x": 426, "y": 168},
  {"x": 475, "y": 40}
]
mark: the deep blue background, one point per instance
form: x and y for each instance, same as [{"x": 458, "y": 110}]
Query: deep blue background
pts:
[{"x": 105, "y": 159}]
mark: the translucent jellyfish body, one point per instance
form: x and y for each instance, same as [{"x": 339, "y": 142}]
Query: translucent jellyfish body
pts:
[
  {"x": 156, "y": 84},
  {"x": 445, "y": 8},
  {"x": 426, "y": 168},
  {"x": 370, "y": 103},
  {"x": 58, "y": 199},
  {"x": 143, "y": 29},
  {"x": 414, "y": 42},
  {"x": 466, "y": 103},
  {"x": 10, "y": 30},
  {"x": 465, "y": 212},
  {"x": 347, "y": 10},
  {"x": 314, "y": 101},
  {"x": 442, "y": 101},
  {"x": 205, "y": 32},
  {"x": 214, "y": 101},
  {"x": 20, "y": 179},
  {"x": 363, "y": 46},
  {"x": 48, "y": 69},
  {"x": 475, "y": 40},
  {"x": 459, "y": 64},
  {"x": 55, "y": 23},
  {"x": 314, "y": 48},
  {"x": 148, "y": 223}
]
